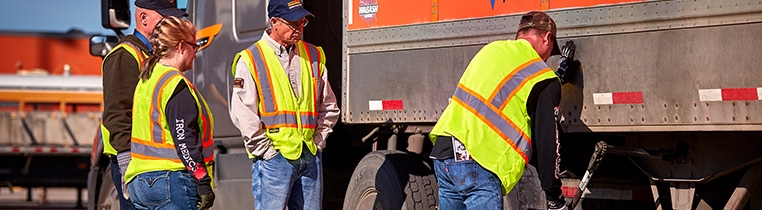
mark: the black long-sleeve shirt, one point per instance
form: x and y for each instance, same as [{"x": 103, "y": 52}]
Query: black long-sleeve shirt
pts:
[
  {"x": 542, "y": 107},
  {"x": 182, "y": 116}
]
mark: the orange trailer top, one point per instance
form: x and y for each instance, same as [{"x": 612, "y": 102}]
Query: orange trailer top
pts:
[{"x": 383, "y": 13}]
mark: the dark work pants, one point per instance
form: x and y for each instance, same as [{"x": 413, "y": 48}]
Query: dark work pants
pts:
[
  {"x": 546, "y": 159},
  {"x": 117, "y": 177}
]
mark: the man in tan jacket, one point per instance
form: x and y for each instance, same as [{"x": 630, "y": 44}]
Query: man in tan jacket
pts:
[{"x": 284, "y": 107}]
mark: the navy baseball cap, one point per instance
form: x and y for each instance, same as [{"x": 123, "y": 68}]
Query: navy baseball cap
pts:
[
  {"x": 164, "y": 7},
  {"x": 291, "y": 10}
]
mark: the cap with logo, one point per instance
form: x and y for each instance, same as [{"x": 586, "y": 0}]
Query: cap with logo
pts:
[
  {"x": 164, "y": 7},
  {"x": 291, "y": 10},
  {"x": 542, "y": 21}
]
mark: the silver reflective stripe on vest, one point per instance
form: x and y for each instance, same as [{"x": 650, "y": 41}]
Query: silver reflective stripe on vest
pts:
[
  {"x": 142, "y": 56},
  {"x": 165, "y": 153},
  {"x": 491, "y": 116},
  {"x": 289, "y": 120},
  {"x": 157, "y": 130},
  {"x": 279, "y": 120},
  {"x": 261, "y": 70},
  {"x": 309, "y": 121},
  {"x": 314, "y": 56},
  {"x": 504, "y": 94}
]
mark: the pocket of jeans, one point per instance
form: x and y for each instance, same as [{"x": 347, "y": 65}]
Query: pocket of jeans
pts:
[
  {"x": 190, "y": 187},
  {"x": 464, "y": 174},
  {"x": 153, "y": 189}
]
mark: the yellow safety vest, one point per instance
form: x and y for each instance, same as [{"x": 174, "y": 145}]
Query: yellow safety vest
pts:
[
  {"x": 488, "y": 109},
  {"x": 288, "y": 120},
  {"x": 152, "y": 145},
  {"x": 139, "y": 56}
]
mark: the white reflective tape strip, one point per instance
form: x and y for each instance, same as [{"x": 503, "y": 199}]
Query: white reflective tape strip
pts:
[
  {"x": 375, "y": 105},
  {"x": 711, "y": 95},
  {"x": 350, "y": 12},
  {"x": 759, "y": 93},
  {"x": 603, "y": 98}
]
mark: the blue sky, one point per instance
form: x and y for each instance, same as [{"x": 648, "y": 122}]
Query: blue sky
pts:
[{"x": 58, "y": 16}]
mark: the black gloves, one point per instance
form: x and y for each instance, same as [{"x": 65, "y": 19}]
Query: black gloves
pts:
[
  {"x": 207, "y": 200},
  {"x": 568, "y": 67},
  {"x": 567, "y": 51},
  {"x": 567, "y": 70}
]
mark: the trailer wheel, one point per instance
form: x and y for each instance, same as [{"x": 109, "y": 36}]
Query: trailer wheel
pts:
[
  {"x": 392, "y": 180},
  {"x": 108, "y": 198}
]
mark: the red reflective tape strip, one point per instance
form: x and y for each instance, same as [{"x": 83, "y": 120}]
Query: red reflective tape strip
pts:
[
  {"x": 375, "y": 105},
  {"x": 739, "y": 94},
  {"x": 627, "y": 97},
  {"x": 618, "y": 98},
  {"x": 45, "y": 150},
  {"x": 392, "y": 104},
  {"x": 569, "y": 191},
  {"x": 731, "y": 94}
]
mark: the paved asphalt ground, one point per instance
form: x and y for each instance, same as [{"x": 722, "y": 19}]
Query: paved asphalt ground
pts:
[{"x": 57, "y": 198}]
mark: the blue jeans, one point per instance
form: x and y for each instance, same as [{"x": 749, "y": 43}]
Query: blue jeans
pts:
[
  {"x": 278, "y": 182},
  {"x": 164, "y": 190},
  {"x": 117, "y": 177},
  {"x": 467, "y": 185}
]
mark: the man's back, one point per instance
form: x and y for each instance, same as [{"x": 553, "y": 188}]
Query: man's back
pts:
[{"x": 121, "y": 73}]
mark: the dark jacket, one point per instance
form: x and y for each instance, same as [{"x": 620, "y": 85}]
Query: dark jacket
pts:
[{"x": 121, "y": 73}]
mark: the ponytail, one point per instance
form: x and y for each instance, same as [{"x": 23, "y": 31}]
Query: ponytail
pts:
[{"x": 147, "y": 67}]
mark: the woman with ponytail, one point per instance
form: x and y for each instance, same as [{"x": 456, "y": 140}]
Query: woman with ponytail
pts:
[{"x": 172, "y": 146}]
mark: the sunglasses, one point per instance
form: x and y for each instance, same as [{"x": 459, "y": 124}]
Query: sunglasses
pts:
[
  {"x": 193, "y": 44},
  {"x": 293, "y": 25}
]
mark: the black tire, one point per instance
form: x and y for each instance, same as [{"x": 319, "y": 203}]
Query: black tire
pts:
[
  {"x": 108, "y": 198},
  {"x": 386, "y": 180}
]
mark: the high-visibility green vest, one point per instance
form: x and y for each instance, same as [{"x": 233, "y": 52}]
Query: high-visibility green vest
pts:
[
  {"x": 152, "y": 145},
  {"x": 488, "y": 112},
  {"x": 139, "y": 56},
  {"x": 288, "y": 120}
]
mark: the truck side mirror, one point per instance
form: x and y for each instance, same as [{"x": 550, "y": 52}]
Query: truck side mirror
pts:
[
  {"x": 101, "y": 45},
  {"x": 115, "y": 14}
]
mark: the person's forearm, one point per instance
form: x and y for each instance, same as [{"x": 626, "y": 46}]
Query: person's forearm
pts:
[
  {"x": 244, "y": 112},
  {"x": 546, "y": 137},
  {"x": 182, "y": 116},
  {"x": 328, "y": 114}
]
